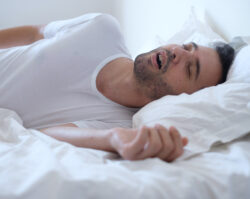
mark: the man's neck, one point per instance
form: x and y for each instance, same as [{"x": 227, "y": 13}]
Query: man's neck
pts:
[{"x": 116, "y": 81}]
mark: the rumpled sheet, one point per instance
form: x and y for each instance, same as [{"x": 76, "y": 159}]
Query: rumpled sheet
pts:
[{"x": 35, "y": 166}]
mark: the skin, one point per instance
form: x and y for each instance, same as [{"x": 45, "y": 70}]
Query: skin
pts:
[
  {"x": 134, "y": 84},
  {"x": 19, "y": 36},
  {"x": 185, "y": 69}
]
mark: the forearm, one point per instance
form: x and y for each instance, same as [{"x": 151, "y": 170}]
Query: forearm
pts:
[
  {"x": 131, "y": 144},
  {"x": 19, "y": 36},
  {"x": 87, "y": 138}
]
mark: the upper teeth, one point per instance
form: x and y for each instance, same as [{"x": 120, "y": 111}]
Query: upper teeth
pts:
[{"x": 160, "y": 58}]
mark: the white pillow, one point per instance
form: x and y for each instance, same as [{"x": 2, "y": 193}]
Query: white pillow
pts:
[
  {"x": 215, "y": 114},
  {"x": 194, "y": 29}
]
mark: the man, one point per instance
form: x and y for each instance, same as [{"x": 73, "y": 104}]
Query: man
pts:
[{"x": 80, "y": 69}]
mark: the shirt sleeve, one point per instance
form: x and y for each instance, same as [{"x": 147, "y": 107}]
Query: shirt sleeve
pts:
[{"x": 55, "y": 27}]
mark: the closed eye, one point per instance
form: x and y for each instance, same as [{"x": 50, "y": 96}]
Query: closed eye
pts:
[
  {"x": 188, "y": 70},
  {"x": 195, "y": 47}
]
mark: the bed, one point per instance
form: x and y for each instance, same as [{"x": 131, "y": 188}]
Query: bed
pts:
[{"x": 215, "y": 164}]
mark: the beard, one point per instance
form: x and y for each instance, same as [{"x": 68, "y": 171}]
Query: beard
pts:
[{"x": 152, "y": 84}]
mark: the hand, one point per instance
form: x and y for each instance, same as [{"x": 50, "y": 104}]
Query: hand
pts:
[{"x": 137, "y": 144}]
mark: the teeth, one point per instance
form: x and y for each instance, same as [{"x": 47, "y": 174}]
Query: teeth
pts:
[
  {"x": 160, "y": 57},
  {"x": 159, "y": 60}
]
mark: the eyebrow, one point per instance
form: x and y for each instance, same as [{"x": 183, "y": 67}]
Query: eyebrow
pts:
[{"x": 197, "y": 61}]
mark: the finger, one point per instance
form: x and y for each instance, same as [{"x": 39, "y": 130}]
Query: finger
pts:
[
  {"x": 137, "y": 145},
  {"x": 184, "y": 141},
  {"x": 178, "y": 149},
  {"x": 168, "y": 144},
  {"x": 153, "y": 146}
]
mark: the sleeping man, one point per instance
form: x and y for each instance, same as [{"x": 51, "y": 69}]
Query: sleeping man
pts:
[{"x": 80, "y": 70}]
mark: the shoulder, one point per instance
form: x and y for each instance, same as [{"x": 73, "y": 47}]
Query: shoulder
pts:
[{"x": 108, "y": 21}]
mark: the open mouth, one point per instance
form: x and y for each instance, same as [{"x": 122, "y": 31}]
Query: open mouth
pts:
[{"x": 159, "y": 60}]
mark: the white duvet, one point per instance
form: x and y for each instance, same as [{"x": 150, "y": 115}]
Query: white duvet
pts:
[{"x": 35, "y": 166}]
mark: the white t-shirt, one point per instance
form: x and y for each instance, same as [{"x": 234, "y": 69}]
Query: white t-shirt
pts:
[{"x": 53, "y": 81}]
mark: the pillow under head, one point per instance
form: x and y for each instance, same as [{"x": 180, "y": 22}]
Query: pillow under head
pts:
[{"x": 216, "y": 114}]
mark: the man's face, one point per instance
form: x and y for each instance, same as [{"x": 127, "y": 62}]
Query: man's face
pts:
[{"x": 175, "y": 69}]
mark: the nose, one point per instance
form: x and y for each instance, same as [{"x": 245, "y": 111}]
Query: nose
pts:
[{"x": 179, "y": 54}]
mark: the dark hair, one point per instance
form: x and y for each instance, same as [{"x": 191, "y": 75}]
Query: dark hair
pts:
[{"x": 226, "y": 55}]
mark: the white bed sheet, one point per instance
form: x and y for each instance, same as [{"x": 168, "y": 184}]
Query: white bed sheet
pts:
[{"x": 35, "y": 166}]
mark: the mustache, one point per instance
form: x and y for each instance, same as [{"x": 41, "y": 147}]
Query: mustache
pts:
[{"x": 170, "y": 57}]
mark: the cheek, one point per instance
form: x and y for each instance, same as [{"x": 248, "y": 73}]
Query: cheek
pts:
[
  {"x": 174, "y": 76},
  {"x": 176, "y": 80}
]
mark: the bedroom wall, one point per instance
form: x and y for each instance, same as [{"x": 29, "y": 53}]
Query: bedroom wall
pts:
[{"x": 143, "y": 19}]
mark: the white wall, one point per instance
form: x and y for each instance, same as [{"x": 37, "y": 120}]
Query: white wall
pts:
[{"x": 20, "y": 12}]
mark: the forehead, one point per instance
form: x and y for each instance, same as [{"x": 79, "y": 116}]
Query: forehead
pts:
[{"x": 210, "y": 66}]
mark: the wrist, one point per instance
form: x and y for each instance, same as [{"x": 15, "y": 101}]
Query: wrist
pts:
[{"x": 109, "y": 137}]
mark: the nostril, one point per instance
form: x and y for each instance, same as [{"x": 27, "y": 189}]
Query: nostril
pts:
[{"x": 174, "y": 56}]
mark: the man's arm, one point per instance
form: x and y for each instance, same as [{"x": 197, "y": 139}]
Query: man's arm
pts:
[
  {"x": 131, "y": 144},
  {"x": 87, "y": 138},
  {"x": 19, "y": 36}
]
